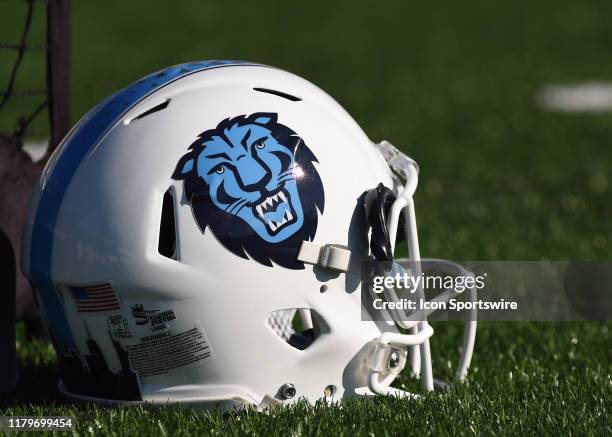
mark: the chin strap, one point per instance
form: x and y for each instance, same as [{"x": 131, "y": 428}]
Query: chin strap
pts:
[{"x": 377, "y": 204}]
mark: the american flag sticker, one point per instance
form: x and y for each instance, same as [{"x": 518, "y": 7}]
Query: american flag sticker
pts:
[{"x": 95, "y": 298}]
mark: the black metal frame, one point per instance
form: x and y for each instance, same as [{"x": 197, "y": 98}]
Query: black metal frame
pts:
[
  {"x": 57, "y": 92},
  {"x": 58, "y": 69}
]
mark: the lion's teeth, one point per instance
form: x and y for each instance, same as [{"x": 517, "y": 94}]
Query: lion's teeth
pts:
[
  {"x": 275, "y": 198},
  {"x": 282, "y": 196},
  {"x": 259, "y": 210},
  {"x": 272, "y": 225},
  {"x": 268, "y": 202},
  {"x": 283, "y": 221},
  {"x": 289, "y": 216}
]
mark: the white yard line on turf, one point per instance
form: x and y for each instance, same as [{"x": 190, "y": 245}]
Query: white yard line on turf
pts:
[{"x": 579, "y": 97}]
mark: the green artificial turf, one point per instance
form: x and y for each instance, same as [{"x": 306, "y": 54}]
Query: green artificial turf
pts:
[
  {"x": 454, "y": 85},
  {"x": 535, "y": 378}
]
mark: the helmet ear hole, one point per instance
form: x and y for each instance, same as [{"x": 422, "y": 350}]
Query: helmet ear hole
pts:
[
  {"x": 299, "y": 327},
  {"x": 166, "y": 245}
]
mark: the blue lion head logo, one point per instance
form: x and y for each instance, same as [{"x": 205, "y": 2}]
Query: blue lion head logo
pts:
[{"x": 252, "y": 182}]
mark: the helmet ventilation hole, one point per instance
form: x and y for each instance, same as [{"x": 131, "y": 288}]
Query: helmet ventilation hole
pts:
[
  {"x": 159, "y": 107},
  {"x": 279, "y": 94},
  {"x": 299, "y": 327},
  {"x": 167, "y": 229}
]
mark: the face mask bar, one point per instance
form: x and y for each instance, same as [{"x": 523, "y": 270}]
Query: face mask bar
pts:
[{"x": 390, "y": 346}]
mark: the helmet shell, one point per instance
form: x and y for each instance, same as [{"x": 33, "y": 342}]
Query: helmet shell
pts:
[{"x": 132, "y": 324}]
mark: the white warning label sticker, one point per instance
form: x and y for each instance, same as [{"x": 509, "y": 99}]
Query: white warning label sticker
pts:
[{"x": 159, "y": 353}]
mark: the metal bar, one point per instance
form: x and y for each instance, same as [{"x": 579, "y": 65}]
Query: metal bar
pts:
[
  {"x": 22, "y": 41},
  {"x": 23, "y": 47},
  {"x": 58, "y": 69},
  {"x": 24, "y": 122},
  {"x": 26, "y": 93}
]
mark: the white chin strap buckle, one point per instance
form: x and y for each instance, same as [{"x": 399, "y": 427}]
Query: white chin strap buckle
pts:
[
  {"x": 328, "y": 256},
  {"x": 268, "y": 404}
]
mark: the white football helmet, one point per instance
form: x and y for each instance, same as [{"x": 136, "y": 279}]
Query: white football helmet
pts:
[{"x": 197, "y": 238}]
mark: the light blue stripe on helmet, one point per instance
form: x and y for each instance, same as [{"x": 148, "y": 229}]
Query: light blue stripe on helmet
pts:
[{"x": 85, "y": 136}]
